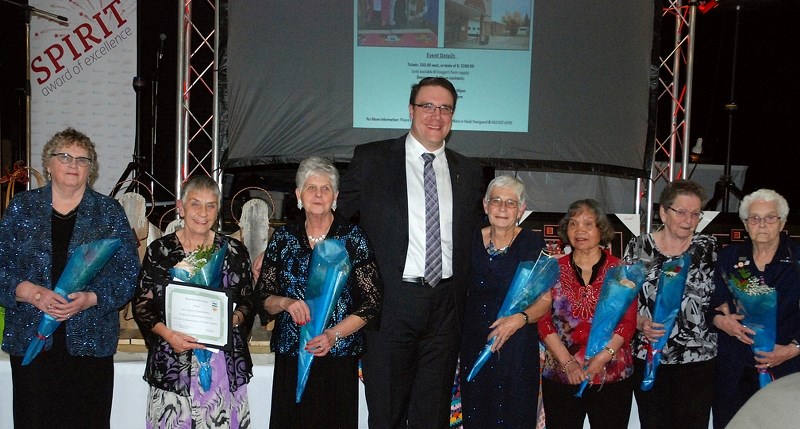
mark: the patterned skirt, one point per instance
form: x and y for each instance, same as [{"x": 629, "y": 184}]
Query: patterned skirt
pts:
[{"x": 216, "y": 408}]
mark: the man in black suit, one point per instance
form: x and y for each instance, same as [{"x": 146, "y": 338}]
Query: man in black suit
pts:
[{"x": 410, "y": 361}]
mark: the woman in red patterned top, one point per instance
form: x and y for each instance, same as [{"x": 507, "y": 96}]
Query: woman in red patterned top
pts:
[{"x": 565, "y": 331}]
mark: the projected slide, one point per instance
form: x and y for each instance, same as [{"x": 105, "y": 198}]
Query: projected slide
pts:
[{"x": 482, "y": 46}]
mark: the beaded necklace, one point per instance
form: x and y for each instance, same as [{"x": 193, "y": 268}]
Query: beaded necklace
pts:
[{"x": 494, "y": 251}]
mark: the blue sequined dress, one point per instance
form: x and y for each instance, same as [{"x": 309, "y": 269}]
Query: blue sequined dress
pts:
[
  {"x": 330, "y": 399},
  {"x": 506, "y": 391}
]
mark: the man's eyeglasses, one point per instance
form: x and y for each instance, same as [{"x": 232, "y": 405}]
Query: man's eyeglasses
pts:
[
  {"x": 686, "y": 213},
  {"x": 430, "y": 108},
  {"x": 497, "y": 202},
  {"x": 66, "y": 158},
  {"x": 756, "y": 220}
]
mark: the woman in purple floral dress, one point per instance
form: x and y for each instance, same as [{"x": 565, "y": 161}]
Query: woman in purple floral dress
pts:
[{"x": 176, "y": 399}]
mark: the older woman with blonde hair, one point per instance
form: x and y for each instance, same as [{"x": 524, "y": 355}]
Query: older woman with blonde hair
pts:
[
  {"x": 770, "y": 258},
  {"x": 70, "y": 384}
]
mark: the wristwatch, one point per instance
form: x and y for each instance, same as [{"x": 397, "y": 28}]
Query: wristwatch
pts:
[{"x": 795, "y": 344}]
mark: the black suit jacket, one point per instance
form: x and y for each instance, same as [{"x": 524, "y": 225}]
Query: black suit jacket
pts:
[{"x": 374, "y": 189}]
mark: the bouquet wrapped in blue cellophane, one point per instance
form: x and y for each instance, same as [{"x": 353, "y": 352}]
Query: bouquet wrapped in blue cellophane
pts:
[
  {"x": 758, "y": 303},
  {"x": 86, "y": 261},
  {"x": 330, "y": 268},
  {"x": 620, "y": 286},
  {"x": 205, "y": 272},
  {"x": 671, "y": 284},
  {"x": 531, "y": 280}
]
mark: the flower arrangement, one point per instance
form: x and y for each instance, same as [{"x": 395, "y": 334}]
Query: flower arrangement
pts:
[
  {"x": 196, "y": 259},
  {"x": 742, "y": 279},
  {"x": 757, "y": 302}
]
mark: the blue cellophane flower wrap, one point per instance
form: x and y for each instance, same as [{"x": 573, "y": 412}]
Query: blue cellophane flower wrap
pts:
[
  {"x": 620, "y": 286},
  {"x": 208, "y": 274},
  {"x": 758, "y": 303},
  {"x": 330, "y": 268},
  {"x": 86, "y": 261},
  {"x": 531, "y": 280},
  {"x": 671, "y": 284}
]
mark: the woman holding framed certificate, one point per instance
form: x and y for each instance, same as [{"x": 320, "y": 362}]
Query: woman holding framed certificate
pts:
[{"x": 190, "y": 387}]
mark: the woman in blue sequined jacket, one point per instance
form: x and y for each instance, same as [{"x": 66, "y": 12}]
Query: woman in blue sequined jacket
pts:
[
  {"x": 70, "y": 383},
  {"x": 330, "y": 398}
]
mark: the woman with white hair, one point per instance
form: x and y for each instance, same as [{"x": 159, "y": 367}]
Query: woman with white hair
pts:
[
  {"x": 769, "y": 258},
  {"x": 330, "y": 398},
  {"x": 506, "y": 392}
]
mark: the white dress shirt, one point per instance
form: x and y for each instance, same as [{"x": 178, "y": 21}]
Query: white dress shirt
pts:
[{"x": 415, "y": 257}]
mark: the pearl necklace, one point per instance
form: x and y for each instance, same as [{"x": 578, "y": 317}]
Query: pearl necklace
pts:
[
  {"x": 316, "y": 240},
  {"x": 311, "y": 238}
]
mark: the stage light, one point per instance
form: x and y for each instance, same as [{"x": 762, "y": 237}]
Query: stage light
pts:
[{"x": 707, "y": 6}]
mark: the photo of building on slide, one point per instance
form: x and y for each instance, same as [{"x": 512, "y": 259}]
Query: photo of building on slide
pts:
[{"x": 470, "y": 24}]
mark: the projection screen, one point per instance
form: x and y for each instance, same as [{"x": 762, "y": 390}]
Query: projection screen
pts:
[{"x": 543, "y": 84}]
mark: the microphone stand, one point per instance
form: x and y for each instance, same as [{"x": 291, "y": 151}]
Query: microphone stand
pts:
[
  {"x": 725, "y": 186},
  {"x": 135, "y": 166},
  {"x": 154, "y": 102}
]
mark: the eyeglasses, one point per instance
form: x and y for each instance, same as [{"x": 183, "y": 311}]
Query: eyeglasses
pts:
[
  {"x": 66, "y": 158},
  {"x": 430, "y": 108},
  {"x": 686, "y": 213},
  {"x": 756, "y": 220},
  {"x": 497, "y": 202}
]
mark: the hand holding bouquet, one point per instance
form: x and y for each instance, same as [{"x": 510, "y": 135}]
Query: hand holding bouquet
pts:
[
  {"x": 671, "y": 284},
  {"x": 758, "y": 303},
  {"x": 330, "y": 268},
  {"x": 204, "y": 267},
  {"x": 86, "y": 261},
  {"x": 619, "y": 289},
  {"x": 530, "y": 281}
]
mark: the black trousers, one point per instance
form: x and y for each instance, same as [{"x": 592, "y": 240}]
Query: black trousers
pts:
[
  {"x": 728, "y": 401},
  {"x": 680, "y": 397},
  {"x": 410, "y": 363},
  {"x": 608, "y": 406},
  {"x": 330, "y": 398},
  {"x": 58, "y": 390}
]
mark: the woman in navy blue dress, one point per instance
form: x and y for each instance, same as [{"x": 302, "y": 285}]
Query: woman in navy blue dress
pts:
[{"x": 506, "y": 391}]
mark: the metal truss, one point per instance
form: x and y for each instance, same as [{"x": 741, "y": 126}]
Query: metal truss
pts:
[
  {"x": 197, "y": 145},
  {"x": 674, "y": 103}
]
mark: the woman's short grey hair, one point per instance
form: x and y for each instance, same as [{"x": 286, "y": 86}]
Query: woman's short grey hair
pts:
[
  {"x": 317, "y": 165},
  {"x": 680, "y": 187},
  {"x": 66, "y": 138},
  {"x": 512, "y": 182},
  {"x": 201, "y": 182},
  {"x": 601, "y": 220},
  {"x": 767, "y": 195}
]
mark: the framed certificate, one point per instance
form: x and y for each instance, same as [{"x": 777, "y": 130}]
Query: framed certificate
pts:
[{"x": 202, "y": 312}]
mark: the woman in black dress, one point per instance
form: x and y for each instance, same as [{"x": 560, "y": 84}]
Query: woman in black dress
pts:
[{"x": 506, "y": 391}]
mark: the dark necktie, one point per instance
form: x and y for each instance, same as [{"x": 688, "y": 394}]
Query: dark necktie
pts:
[{"x": 433, "y": 236}]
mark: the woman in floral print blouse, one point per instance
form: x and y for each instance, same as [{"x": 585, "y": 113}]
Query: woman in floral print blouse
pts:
[
  {"x": 683, "y": 388},
  {"x": 565, "y": 331}
]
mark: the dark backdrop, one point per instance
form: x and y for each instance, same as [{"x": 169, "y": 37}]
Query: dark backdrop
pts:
[{"x": 765, "y": 126}]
